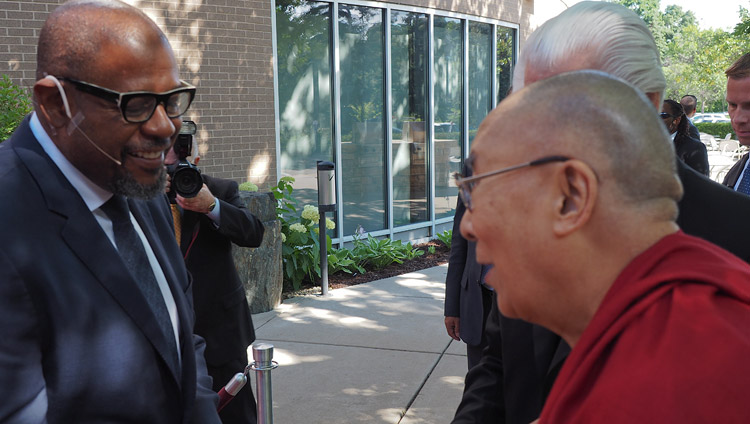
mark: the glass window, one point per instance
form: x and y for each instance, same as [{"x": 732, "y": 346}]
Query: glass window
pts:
[
  {"x": 361, "y": 58},
  {"x": 505, "y": 60},
  {"x": 448, "y": 84},
  {"x": 480, "y": 75},
  {"x": 409, "y": 73},
  {"x": 303, "y": 39}
]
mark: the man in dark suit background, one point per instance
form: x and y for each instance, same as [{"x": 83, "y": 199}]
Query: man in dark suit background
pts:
[
  {"x": 521, "y": 362},
  {"x": 738, "y": 99},
  {"x": 209, "y": 223},
  {"x": 467, "y": 300},
  {"x": 95, "y": 304},
  {"x": 689, "y": 103}
]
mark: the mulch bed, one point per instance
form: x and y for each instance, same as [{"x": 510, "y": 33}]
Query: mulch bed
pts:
[{"x": 342, "y": 279}]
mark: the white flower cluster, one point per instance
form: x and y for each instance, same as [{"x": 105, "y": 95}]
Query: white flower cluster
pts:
[
  {"x": 283, "y": 237},
  {"x": 330, "y": 225},
  {"x": 311, "y": 213},
  {"x": 298, "y": 228}
]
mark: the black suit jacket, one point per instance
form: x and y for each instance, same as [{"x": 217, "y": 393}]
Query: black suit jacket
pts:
[
  {"x": 463, "y": 293},
  {"x": 513, "y": 378},
  {"x": 79, "y": 341},
  {"x": 222, "y": 315},
  {"x": 735, "y": 172},
  {"x": 693, "y": 152},
  {"x": 693, "y": 130}
]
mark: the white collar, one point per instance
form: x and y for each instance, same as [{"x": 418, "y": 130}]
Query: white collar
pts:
[{"x": 93, "y": 195}]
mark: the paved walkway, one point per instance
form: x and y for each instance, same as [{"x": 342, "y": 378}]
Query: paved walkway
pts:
[{"x": 372, "y": 353}]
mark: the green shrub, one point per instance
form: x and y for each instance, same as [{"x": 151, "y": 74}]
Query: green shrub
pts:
[
  {"x": 248, "y": 186},
  {"x": 445, "y": 237},
  {"x": 716, "y": 129},
  {"x": 379, "y": 253},
  {"x": 15, "y": 104},
  {"x": 300, "y": 249}
]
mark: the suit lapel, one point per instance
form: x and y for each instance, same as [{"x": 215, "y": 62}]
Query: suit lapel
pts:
[{"x": 95, "y": 250}]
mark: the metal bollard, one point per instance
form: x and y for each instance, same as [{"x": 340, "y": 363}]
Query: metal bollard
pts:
[{"x": 263, "y": 364}]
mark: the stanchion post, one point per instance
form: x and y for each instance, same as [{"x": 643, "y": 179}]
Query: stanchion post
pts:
[
  {"x": 326, "y": 203},
  {"x": 263, "y": 364}
]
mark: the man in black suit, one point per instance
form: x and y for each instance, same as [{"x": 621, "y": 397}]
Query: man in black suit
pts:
[
  {"x": 467, "y": 299},
  {"x": 690, "y": 150},
  {"x": 738, "y": 99},
  {"x": 95, "y": 302},
  {"x": 689, "y": 103},
  {"x": 209, "y": 223},
  {"x": 520, "y": 364}
]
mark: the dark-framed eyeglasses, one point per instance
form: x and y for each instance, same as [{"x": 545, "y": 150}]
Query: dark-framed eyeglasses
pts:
[
  {"x": 467, "y": 184},
  {"x": 139, "y": 106}
]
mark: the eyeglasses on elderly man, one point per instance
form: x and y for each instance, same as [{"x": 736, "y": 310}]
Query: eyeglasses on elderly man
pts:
[{"x": 466, "y": 184}]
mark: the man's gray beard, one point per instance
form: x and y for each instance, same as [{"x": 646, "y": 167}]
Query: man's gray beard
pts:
[{"x": 125, "y": 185}]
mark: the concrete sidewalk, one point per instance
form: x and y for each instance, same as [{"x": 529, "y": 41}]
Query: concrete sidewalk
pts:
[{"x": 372, "y": 353}]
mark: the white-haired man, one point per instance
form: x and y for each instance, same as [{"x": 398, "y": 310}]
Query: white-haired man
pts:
[{"x": 517, "y": 370}]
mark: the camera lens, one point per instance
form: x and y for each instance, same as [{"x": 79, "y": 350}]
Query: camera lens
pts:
[{"x": 187, "y": 181}]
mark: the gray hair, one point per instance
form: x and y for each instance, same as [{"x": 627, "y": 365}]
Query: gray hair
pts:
[{"x": 610, "y": 37}]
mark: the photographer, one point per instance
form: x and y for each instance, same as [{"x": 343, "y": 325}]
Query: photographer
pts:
[{"x": 206, "y": 226}]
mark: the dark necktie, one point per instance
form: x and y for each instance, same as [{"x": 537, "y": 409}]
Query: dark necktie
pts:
[
  {"x": 133, "y": 254},
  {"x": 744, "y": 186}
]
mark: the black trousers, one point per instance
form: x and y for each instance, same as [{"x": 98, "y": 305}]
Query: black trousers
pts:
[{"x": 474, "y": 352}]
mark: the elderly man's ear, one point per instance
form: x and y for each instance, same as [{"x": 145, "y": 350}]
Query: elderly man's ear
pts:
[
  {"x": 50, "y": 103},
  {"x": 577, "y": 189}
]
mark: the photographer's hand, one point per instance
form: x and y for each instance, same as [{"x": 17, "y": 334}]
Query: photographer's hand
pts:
[{"x": 203, "y": 202}]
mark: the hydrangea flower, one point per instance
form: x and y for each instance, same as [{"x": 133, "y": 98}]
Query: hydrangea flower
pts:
[
  {"x": 283, "y": 237},
  {"x": 311, "y": 213},
  {"x": 298, "y": 227},
  {"x": 330, "y": 225}
]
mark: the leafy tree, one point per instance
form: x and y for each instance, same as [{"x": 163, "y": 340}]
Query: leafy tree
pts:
[
  {"x": 15, "y": 104},
  {"x": 694, "y": 60}
]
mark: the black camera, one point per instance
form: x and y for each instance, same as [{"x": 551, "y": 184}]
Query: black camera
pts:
[{"x": 186, "y": 177}]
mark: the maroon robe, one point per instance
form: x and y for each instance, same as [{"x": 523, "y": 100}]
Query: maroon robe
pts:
[{"x": 670, "y": 343}]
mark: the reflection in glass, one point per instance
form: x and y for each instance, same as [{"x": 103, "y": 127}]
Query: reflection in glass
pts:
[
  {"x": 409, "y": 55},
  {"x": 304, "y": 73},
  {"x": 505, "y": 60},
  {"x": 480, "y": 75},
  {"x": 448, "y": 83},
  {"x": 361, "y": 54}
]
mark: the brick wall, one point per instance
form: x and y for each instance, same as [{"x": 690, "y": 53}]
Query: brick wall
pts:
[{"x": 223, "y": 47}]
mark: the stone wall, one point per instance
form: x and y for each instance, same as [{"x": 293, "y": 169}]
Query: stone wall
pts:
[{"x": 260, "y": 268}]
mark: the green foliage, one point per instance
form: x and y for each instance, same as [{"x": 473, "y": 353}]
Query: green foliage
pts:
[
  {"x": 379, "y": 253},
  {"x": 248, "y": 186},
  {"x": 431, "y": 250},
  {"x": 300, "y": 250},
  {"x": 716, "y": 129},
  {"x": 445, "y": 237},
  {"x": 693, "y": 59},
  {"x": 15, "y": 104}
]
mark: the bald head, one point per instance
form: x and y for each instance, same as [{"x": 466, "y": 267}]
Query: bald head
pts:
[
  {"x": 75, "y": 37},
  {"x": 619, "y": 138}
]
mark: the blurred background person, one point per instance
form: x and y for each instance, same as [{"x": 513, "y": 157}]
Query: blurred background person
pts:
[
  {"x": 468, "y": 299},
  {"x": 690, "y": 150},
  {"x": 738, "y": 99},
  {"x": 207, "y": 225},
  {"x": 689, "y": 103}
]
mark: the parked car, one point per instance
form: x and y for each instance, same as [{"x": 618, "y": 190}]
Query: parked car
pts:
[{"x": 710, "y": 117}]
